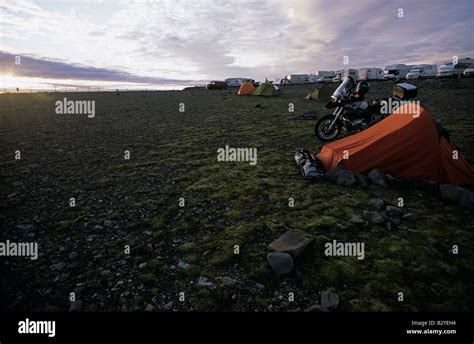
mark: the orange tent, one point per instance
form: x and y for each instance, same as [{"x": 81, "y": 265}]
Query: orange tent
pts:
[
  {"x": 246, "y": 89},
  {"x": 405, "y": 144}
]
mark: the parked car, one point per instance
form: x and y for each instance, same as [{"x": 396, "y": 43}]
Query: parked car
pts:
[
  {"x": 468, "y": 72},
  {"x": 216, "y": 85}
]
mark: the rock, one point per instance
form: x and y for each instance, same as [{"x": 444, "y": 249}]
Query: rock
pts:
[
  {"x": 376, "y": 203},
  {"x": 378, "y": 178},
  {"x": 329, "y": 299},
  {"x": 293, "y": 242},
  {"x": 451, "y": 192},
  {"x": 402, "y": 227},
  {"x": 98, "y": 227},
  {"x": 142, "y": 265},
  {"x": 373, "y": 217},
  {"x": 76, "y": 306},
  {"x": 252, "y": 286},
  {"x": 204, "y": 282},
  {"x": 316, "y": 308},
  {"x": 428, "y": 186},
  {"x": 388, "y": 225},
  {"x": 392, "y": 211},
  {"x": 58, "y": 266},
  {"x": 357, "y": 220},
  {"x": 432, "y": 241},
  {"x": 228, "y": 282},
  {"x": 467, "y": 200},
  {"x": 149, "y": 308},
  {"x": 183, "y": 265},
  {"x": 24, "y": 227},
  {"x": 63, "y": 277},
  {"x": 281, "y": 262},
  {"x": 340, "y": 226},
  {"x": 400, "y": 183},
  {"x": 73, "y": 255},
  {"x": 341, "y": 176},
  {"x": 361, "y": 180},
  {"x": 410, "y": 217},
  {"x": 394, "y": 222},
  {"x": 168, "y": 306},
  {"x": 452, "y": 270},
  {"x": 107, "y": 223}
]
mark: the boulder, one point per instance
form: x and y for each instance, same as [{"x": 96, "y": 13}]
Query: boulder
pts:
[
  {"x": 451, "y": 192},
  {"x": 392, "y": 211},
  {"x": 376, "y": 203},
  {"x": 428, "y": 186},
  {"x": 361, "y": 180},
  {"x": 341, "y": 176},
  {"x": 329, "y": 299},
  {"x": 76, "y": 306},
  {"x": 378, "y": 178},
  {"x": 357, "y": 220},
  {"x": 293, "y": 242},
  {"x": 281, "y": 262},
  {"x": 204, "y": 282},
  {"x": 410, "y": 217},
  {"x": 467, "y": 200},
  {"x": 373, "y": 217}
]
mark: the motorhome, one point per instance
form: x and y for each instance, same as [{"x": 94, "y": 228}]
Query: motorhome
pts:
[
  {"x": 450, "y": 69},
  {"x": 350, "y": 72},
  {"x": 396, "y": 71},
  {"x": 237, "y": 82},
  {"x": 422, "y": 71},
  {"x": 297, "y": 79},
  {"x": 324, "y": 76},
  {"x": 371, "y": 74}
]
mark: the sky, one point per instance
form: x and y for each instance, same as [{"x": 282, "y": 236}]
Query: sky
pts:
[{"x": 175, "y": 43}]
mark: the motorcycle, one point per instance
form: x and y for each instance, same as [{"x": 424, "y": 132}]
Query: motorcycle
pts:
[{"x": 352, "y": 112}]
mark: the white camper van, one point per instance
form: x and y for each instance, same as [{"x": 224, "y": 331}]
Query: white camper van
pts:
[
  {"x": 237, "y": 82},
  {"x": 350, "y": 72},
  {"x": 422, "y": 71},
  {"x": 324, "y": 76},
  {"x": 448, "y": 69},
  {"x": 371, "y": 74},
  {"x": 297, "y": 79},
  {"x": 396, "y": 71}
]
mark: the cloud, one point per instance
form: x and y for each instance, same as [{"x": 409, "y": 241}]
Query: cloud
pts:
[
  {"x": 33, "y": 67},
  {"x": 198, "y": 39}
]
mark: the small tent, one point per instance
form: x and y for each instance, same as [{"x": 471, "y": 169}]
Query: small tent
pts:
[
  {"x": 246, "y": 89},
  {"x": 321, "y": 93},
  {"x": 407, "y": 144},
  {"x": 265, "y": 89}
]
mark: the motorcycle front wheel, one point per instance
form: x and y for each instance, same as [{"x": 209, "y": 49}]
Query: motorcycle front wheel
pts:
[{"x": 321, "y": 128}]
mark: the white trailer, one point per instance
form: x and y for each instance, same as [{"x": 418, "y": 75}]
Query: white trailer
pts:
[
  {"x": 371, "y": 73},
  {"x": 297, "y": 79},
  {"x": 237, "y": 82},
  {"x": 350, "y": 72}
]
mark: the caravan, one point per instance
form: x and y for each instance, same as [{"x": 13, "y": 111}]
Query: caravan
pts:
[
  {"x": 297, "y": 79},
  {"x": 350, "y": 72},
  {"x": 237, "y": 82},
  {"x": 324, "y": 76},
  {"x": 422, "y": 71},
  {"x": 450, "y": 69},
  {"x": 395, "y": 72},
  {"x": 371, "y": 74}
]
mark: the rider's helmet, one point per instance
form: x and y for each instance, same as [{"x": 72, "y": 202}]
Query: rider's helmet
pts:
[{"x": 362, "y": 88}]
